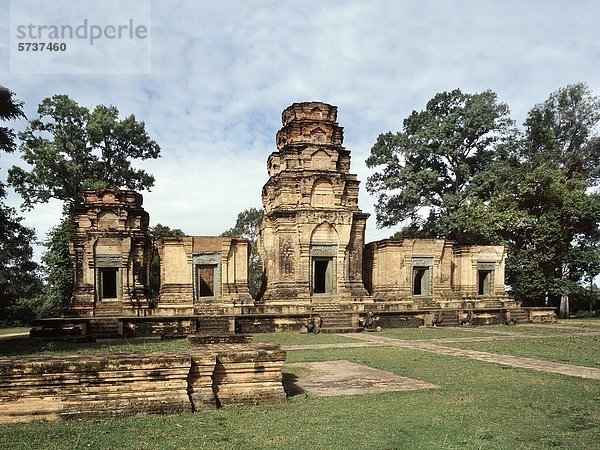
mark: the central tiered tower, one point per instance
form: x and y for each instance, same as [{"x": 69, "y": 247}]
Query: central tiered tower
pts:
[{"x": 312, "y": 235}]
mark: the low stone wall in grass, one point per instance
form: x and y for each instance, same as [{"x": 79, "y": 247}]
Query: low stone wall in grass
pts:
[{"x": 52, "y": 387}]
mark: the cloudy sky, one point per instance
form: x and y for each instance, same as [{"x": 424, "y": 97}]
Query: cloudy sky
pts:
[{"x": 221, "y": 72}]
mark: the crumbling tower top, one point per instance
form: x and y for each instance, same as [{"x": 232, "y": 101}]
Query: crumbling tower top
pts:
[{"x": 309, "y": 123}]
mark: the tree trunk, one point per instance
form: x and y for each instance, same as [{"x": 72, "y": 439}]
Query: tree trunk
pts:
[{"x": 563, "y": 312}]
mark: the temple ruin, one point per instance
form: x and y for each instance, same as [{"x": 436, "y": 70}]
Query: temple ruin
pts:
[
  {"x": 311, "y": 237},
  {"x": 312, "y": 245},
  {"x": 428, "y": 273},
  {"x": 202, "y": 275},
  {"x": 111, "y": 251}
]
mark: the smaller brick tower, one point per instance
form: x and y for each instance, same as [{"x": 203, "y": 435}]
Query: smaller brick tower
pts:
[{"x": 111, "y": 251}]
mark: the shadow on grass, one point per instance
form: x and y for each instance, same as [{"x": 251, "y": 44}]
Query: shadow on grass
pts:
[{"x": 290, "y": 386}]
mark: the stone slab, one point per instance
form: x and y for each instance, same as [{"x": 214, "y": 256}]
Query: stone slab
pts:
[{"x": 341, "y": 377}]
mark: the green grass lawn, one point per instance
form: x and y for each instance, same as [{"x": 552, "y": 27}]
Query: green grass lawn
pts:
[
  {"x": 584, "y": 351},
  {"x": 554, "y": 328},
  {"x": 477, "y": 405},
  {"x": 588, "y": 322},
  {"x": 432, "y": 333},
  {"x": 296, "y": 338}
]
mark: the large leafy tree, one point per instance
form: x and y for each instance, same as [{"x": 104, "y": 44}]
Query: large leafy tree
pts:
[
  {"x": 550, "y": 227},
  {"x": 245, "y": 227},
  {"x": 535, "y": 191},
  {"x": 427, "y": 171},
  {"x": 18, "y": 272},
  {"x": 69, "y": 149},
  {"x": 560, "y": 158}
]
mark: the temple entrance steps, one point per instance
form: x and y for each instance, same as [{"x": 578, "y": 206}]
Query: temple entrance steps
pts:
[
  {"x": 337, "y": 322},
  {"x": 497, "y": 304},
  {"x": 519, "y": 316},
  {"x": 108, "y": 309},
  {"x": 104, "y": 328},
  {"x": 447, "y": 318},
  {"x": 214, "y": 325}
]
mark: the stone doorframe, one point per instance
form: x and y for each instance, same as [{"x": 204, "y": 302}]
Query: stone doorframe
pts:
[
  {"x": 319, "y": 254},
  {"x": 207, "y": 259}
]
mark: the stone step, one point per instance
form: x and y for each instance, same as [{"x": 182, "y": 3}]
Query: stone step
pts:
[
  {"x": 493, "y": 304},
  {"x": 333, "y": 330},
  {"x": 519, "y": 315},
  {"x": 448, "y": 319},
  {"x": 325, "y": 307},
  {"x": 336, "y": 321},
  {"x": 213, "y": 325}
]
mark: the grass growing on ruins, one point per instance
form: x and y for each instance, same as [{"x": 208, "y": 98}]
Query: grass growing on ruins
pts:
[
  {"x": 25, "y": 346},
  {"x": 477, "y": 405}
]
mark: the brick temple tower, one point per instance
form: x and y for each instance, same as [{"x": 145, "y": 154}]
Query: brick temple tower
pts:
[
  {"x": 312, "y": 235},
  {"x": 111, "y": 251}
]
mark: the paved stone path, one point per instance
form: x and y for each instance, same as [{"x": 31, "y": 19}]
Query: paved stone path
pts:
[
  {"x": 506, "y": 360},
  {"x": 436, "y": 346}
]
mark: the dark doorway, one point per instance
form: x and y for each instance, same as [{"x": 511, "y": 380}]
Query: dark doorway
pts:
[
  {"x": 206, "y": 281},
  {"x": 485, "y": 282},
  {"x": 322, "y": 275},
  {"x": 108, "y": 280},
  {"x": 421, "y": 281}
]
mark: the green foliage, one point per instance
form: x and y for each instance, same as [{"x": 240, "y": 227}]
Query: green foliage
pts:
[
  {"x": 554, "y": 247},
  {"x": 245, "y": 227},
  {"x": 483, "y": 183},
  {"x": 19, "y": 280},
  {"x": 58, "y": 268},
  {"x": 10, "y": 109},
  {"x": 71, "y": 149},
  {"x": 433, "y": 162},
  {"x": 547, "y": 224},
  {"x": 245, "y": 224},
  {"x": 158, "y": 232},
  {"x": 563, "y": 130}
]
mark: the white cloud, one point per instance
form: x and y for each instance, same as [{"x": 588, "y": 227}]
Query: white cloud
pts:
[{"x": 222, "y": 72}]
